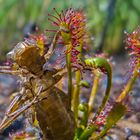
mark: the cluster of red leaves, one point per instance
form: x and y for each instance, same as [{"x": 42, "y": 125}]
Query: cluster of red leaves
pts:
[
  {"x": 72, "y": 23},
  {"x": 133, "y": 41},
  {"x": 133, "y": 44}
]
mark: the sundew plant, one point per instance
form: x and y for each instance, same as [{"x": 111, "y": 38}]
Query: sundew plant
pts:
[{"x": 60, "y": 115}]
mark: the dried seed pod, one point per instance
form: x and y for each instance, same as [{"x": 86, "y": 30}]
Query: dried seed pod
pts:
[{"x": 55, "y": 118}]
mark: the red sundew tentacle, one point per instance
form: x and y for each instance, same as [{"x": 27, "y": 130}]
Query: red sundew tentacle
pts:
[
  {"x": 58, "y": 14},
  {"x": 63, "y": 14},
  {"x": 61, "y": 43},
  {"x": 75, "y": 32},
  {"x": 53, "y": 22},
  {"x": 80, "y": 37},
  {"x": 69, "y": 22},
  {"x": 69, "y": 12},
  {"x": 75, "y": 44},
  {"x": 101, "y": 118},
  {"x": 54, "y": 17},
  {"x": 68, "y": 51},
  {"x": 75, "y": 52},
  {"x": 48, "y": 30}
]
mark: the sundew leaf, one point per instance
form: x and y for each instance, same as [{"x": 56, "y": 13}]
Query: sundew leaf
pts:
[
  {"x": 115, "y": 114},
  {"x": 113, "y": 117}
]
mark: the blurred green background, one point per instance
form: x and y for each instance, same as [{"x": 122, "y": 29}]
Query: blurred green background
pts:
[{"x": 106, "y": 20}]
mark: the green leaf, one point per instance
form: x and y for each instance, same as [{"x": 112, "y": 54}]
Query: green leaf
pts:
[
  {"x": 115, "y": 114},
  {"x": 87, "y": 132}
]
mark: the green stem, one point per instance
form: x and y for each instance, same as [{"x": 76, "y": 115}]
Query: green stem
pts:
[
  {"x": 129, "y": 86},
  {"x": 107, "y": 93},
  {"x": 69, "y": 67},
  {"x": 93, "y": 91},
  {"x": 76, "y": 92},
  {"x": 87, "y": 132},
  {"x": 104, "y": 66}
]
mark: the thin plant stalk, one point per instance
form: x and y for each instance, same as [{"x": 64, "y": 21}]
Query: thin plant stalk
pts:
[
  {"x": 76, "y": 100},
  {"x": 103, "y": 65},
  {"x": 76, "y": 91},
  {"x": 69, "y": 67},
  {"x": 129, "y": 86},
  {"x": 94, "y": 90},
  {"x": 107, "y": 93}
]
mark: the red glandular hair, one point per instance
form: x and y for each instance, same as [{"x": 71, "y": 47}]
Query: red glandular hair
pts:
[{"x": 101, "y": 118}]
